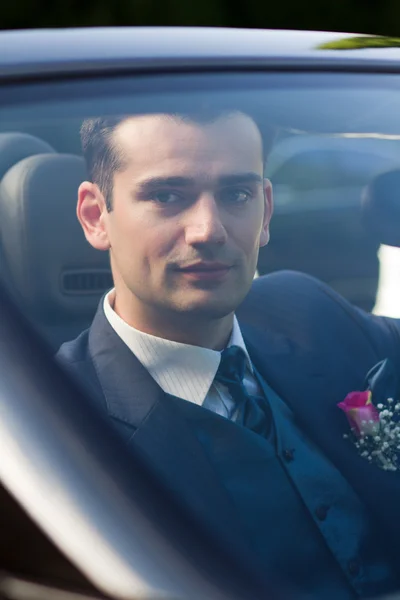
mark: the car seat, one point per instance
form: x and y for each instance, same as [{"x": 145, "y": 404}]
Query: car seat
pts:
[
  {"x": 53, "y": 273},
  {"x": 14, "y": 146}
]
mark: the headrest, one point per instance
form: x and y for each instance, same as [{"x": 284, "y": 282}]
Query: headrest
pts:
[
  {"x": 54, "y": 270},
  {"x": 16, "y": 146},
  {"x": 381, "y": 208}
]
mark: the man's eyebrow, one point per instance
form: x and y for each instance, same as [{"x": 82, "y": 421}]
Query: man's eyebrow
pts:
[
  {"x": 158, "y": 182},
  {"x": 152, "y": 183},
  {"x": 237, "y": 178}
]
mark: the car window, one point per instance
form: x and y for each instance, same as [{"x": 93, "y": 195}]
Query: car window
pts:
[
  {"x": 150, "y": 213},
  {"x": 332, "y": 135}
]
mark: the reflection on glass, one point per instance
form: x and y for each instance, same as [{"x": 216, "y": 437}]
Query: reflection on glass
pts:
[{"x": 188, "y": 189}]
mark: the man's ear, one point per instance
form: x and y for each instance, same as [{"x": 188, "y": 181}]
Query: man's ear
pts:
[
  {"x": 268, "y": 210},
  {"x": 91, "y": 211}
]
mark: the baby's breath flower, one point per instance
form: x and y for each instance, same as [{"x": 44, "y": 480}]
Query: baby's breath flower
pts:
[{"x": 381, "y": 444}]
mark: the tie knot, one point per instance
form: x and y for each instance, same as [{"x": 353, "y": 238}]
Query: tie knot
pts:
[{"x": 232, "y": 365}]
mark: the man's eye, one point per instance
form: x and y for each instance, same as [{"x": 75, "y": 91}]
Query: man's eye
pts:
[
  {"x": 237, "y": 196},
  {"x": 166, "y": 197}
]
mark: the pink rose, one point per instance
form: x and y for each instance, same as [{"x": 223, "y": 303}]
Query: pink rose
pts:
[{"x": 361, "y": 414}]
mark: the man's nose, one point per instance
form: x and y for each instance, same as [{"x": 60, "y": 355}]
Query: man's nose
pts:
[{"x": 204, "y": 224}]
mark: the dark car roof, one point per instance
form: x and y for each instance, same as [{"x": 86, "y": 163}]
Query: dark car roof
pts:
[{"x": 35, "y": 52}]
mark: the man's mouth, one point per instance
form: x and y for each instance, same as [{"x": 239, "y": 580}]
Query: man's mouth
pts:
[{"x": 206, "y": 270}]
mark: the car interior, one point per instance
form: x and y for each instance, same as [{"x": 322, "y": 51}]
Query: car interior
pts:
[
  {"x": 336, "y": 205},
  {"x": 320, "y": 164},
  {"x": 58, "y": 289},
  {"x": 58, "y": 278}
]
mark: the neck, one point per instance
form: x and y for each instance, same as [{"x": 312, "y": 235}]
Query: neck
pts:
[{"x": 185, "y": 328}]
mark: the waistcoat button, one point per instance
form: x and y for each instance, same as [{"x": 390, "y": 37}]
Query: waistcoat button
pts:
[
  {"x": 353, "y": 567},
  {"x": 321, "y": 512},
  {"x": 288, "y": 454}
]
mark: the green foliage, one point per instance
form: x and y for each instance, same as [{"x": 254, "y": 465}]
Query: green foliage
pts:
[{"x": 357, "y": 42}]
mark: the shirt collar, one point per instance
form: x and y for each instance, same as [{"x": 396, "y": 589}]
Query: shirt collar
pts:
[{"x": 179, "y": 369}]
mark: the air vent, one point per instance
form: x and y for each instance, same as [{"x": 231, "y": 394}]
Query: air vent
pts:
[{"x": 85, "y": 281}]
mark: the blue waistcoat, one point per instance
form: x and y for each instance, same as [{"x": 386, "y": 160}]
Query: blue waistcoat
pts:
[{"x": 303, "y": 518}]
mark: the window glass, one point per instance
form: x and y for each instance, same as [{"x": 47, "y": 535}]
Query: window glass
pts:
[
  {"x": 328, "y": 137},
  {"x": 154, "y": 203}
]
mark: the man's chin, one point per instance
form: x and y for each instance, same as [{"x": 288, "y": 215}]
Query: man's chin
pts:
[
  {"x": 214, "y": 308},
  {"x": 210, "y": 312}
]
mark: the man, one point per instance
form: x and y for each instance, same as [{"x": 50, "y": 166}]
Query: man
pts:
[{"x": 249, "y": 438}]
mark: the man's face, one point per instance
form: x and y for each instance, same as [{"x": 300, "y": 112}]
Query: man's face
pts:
[{"x": 190, "y": 211}]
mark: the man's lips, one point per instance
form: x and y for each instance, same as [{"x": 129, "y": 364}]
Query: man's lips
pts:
[
  {"x": 206, "y": 270},
  {"x": 205, "y": 267}
]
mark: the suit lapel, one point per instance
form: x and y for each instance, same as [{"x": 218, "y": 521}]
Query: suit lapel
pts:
[
  {"x": 308, "y": 385},
  {"x": 300, "y": 376},
  {"x": 312, "y": 388},
  {"x": 156, "y": 429},
  {"x": 130, "y": 393}
]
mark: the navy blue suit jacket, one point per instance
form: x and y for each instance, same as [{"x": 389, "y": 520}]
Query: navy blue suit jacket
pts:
[{"x": 309, "y": 344}]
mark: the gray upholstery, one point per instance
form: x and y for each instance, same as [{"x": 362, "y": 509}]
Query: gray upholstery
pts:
[
  {"x": 16, "y": 146},
  {"x": 55, "y": 274},
  {"x": 381, "y": 208}
]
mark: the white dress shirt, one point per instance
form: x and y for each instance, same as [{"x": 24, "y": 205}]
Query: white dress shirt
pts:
[{"x": 183, "y": 370}]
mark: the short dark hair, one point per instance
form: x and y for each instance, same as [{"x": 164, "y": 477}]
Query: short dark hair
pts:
[{"x": 103, "y": 157}]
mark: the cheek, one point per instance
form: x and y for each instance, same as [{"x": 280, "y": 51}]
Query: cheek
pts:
[
  {"x": 140, "y": 239},
  {"x": 248, "y": 232}
]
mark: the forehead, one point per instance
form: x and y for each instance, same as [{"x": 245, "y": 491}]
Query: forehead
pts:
[{"x": 166, "y": 143}]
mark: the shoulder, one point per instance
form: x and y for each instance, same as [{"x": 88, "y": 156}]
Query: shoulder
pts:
[
  {"x": 291, "y": 295},
  {"x": 300, "y": 306},
  {"x": 74, "y": 350},
  {"x": 294, "y": 286},
  {"x": 74, "y": 357}
]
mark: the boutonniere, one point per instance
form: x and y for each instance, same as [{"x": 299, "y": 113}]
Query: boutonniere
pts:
[{"x": 374, "y": 417}]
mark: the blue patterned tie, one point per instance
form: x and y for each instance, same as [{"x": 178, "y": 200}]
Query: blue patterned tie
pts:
[{"x": 252, "y": 411}]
